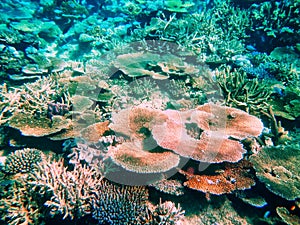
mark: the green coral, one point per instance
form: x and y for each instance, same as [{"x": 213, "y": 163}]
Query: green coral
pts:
[
  {"x": 215, "y": 34},
  {"x": 21, "y": 206},
  {"x": 250, "y": 95},
  {"x": 278, "y": 20},
  {"x": 178, "y": 6},
  {"x": 277, "y": 168}
]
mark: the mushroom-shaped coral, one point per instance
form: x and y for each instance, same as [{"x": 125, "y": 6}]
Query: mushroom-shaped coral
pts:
[
  {"x": 211, "y": 133},
  {"x": 94, "y": 132},
  {"x": 277, "y": 167},
  {"x": 22, "y": 161},
  {"x": 233, "y": 177},
  {"x": 158, "y": 66},
  {"x": 132, "y": 157},
  {"x": 29, "y": 125},
  {"x": 136, "y": 122}
]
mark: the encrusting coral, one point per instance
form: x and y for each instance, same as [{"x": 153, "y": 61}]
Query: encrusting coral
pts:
[
  {"x": 276, "y": 167},
  {"x": 230, "y": 178}
]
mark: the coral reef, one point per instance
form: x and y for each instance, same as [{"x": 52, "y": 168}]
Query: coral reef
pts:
[
  {"x": 276, "y": 168},
  {"x": 172, "y": 187},
  {"x": 231, "y": 177},
  {"x": 70, "y": 191},
  {"x": 167, "y": 213},
  {"x": 134, "y": 157},
  {"x": 287, "y": 217},
  {"x": 241, "y": 92},
  {"x": 116, "y": 204},
  {"x": 21, "y": 206},
  {"x": 22, "y": 161}
]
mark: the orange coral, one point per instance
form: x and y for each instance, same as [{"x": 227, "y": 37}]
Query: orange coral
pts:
[
  {"x": 232, "y": 177},
  {"x": 95, "y": 131}
]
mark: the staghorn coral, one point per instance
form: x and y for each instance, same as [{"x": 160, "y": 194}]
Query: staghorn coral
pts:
[
  {"x": 241, "y": 92},
  {"x": 276, "y": 167},
  {"x": 70, "y": 191},
  {"x": 22, "y": 161},
  {"x": 21, "y": 206},
  {"x": 167, "y": 213},
  {"x": 229, "y": 178},
  {"x": 276, "y": 21},
  {"x": 115, "y": 204}
]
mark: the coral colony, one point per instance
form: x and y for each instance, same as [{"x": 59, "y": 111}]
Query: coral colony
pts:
[{"x": 165, "y": 112}]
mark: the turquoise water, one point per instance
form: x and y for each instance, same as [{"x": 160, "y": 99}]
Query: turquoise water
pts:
[{"x": 149, "y": 112}]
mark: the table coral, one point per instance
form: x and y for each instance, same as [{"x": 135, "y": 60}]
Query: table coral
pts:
[
  {"x": 29, "y": 125},
  {"x": 209, "y": 133},
  {"x": 276, "y": 167},
  {"x": 132, "y": 157},
  {"x": 231, "y": 178}
]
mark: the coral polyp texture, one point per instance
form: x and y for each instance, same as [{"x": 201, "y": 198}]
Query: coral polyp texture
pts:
[
  {"x": 210, "y": 133},
  {"x": 165, "y": 112},
  {"x": 22, "y": 161},
  {"x": 230, "y": 178},
  {"x": 276, "y": 167}
]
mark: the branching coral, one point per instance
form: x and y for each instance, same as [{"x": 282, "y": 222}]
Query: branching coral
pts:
[
  {"x": 21, "y": 206},
  {"x": 22, "y": 161},
  {"x": 115, "y": 204},
  {"x": 241, "y": 92},
  {"x": 167, "y": 213},
  {"x": 70, "y": 191}
]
